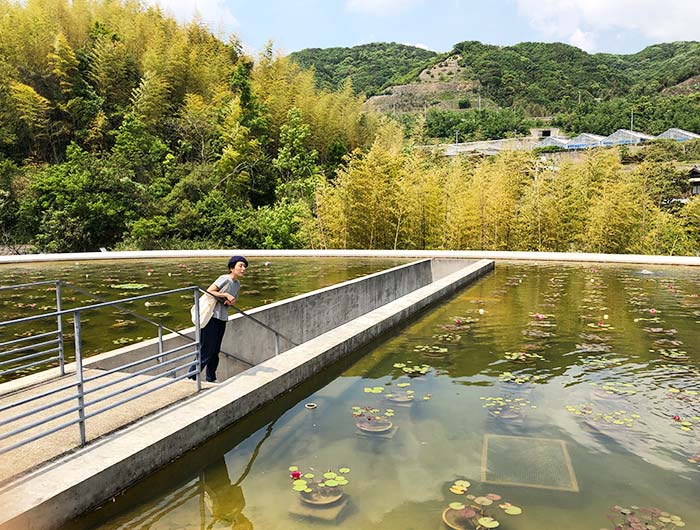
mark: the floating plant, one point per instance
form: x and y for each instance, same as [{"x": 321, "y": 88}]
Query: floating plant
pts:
[
  {"x": 131, "y": 286},
  {"x": 660, "y": 331},
  {"x": 119, "y": 323},
  {"x": 613, "y": 390},
  {"x": 668, "y": 342},
  {"x": 600, "y": 326},
  {"x": 476, "y": 512},
  {"x": 589, "y": 347},
  {"x": 507, "y": 407},
  {"x": 597, "y": 363},
  {"x": 374, "y": 389},
  {"x": 618, "y": 418},
  {"x": 126, "y": 340},
  {"x": 452, "y": 338},
  {"x": 686, "y": 424},
  {"x": 522, "y": 357},
  {"x": 433, "y": 351},
  {"x": 319, "y": 490},
  {"x": 372, "y": 420},
  {"x": 672, "y": 354},
  {"x": 413, "y": 370},
  {"x": 636, "y": 518},
  {"x": 510, "y": 377}
]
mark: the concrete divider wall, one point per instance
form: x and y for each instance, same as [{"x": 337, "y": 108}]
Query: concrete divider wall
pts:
[
  {"x": 307, "y": 316},
  {"x": 300, "y": 318}
]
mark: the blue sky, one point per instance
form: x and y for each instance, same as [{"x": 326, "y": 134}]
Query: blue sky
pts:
[{"x": 614, "y": 26}]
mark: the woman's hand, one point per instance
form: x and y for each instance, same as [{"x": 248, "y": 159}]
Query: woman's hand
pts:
[{"x": 230, "y": 299}]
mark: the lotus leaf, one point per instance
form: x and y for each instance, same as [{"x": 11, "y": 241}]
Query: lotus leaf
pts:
[
  {"x": 293, "y": 468},
  {"x": 332, "y": 483},
  {"x": 462, "y": 483},
  {"x": 457, "y": 490},
  {"x": 300, "y": 482},
  {"x": 483, "y": 501},
  {"x": 300, "y": 487},
  {"x": 329, "y": 475},
  {"x": 457, "y": 505},
  {"x": 309, "y": 475},
  {"x": 344, "y": 470}
]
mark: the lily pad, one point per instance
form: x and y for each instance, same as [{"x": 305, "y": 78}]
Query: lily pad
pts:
[
  {"x": 488, "y": 522},
  {"x": 457, "y": 505},
  {"x": 344, "y": 470},
  {"x": 130, "y": 286}
]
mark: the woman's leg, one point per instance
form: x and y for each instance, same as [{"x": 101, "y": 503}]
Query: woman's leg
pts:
[
  {"x": 210, "y": 338},
  {"x": 213, "y": 354}
]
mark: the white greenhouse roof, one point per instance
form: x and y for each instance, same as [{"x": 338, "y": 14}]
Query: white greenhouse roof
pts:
[
  {"x": 584, "y": 140},
  {"x": 678, "y": 134},
  {"x": 625, "y": 136}
]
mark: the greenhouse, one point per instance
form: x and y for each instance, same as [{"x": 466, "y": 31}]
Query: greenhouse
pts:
[{"x": 624, "y": 137}]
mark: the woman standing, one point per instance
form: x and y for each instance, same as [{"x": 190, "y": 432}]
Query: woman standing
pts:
[{"x": 225, "y": 288}]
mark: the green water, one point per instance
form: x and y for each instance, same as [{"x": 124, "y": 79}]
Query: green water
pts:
[
  {"x": 593, "y": 327},
  {"x": 267, "y": 280}
]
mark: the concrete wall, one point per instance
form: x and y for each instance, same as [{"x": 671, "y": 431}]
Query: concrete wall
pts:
[
  {"x": 52, "y": 496},
  {"x": 345, "y": 253}
]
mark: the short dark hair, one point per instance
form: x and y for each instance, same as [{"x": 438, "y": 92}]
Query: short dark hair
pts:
[{"x": 235, "y": 259}]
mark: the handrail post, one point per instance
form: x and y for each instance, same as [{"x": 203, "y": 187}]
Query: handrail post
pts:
[
  {"x": 277, "y": 344},
  {"x": 59, "y": 319},
  {"x": 197, "y": 339},
  {"x": 79, "y": 374},
  {"x": 160, "y": 342}
]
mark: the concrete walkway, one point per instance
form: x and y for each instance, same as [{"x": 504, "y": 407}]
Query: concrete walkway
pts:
[
  {"x": 24, "y": 458},
  {"x": 408, "y": 254}
]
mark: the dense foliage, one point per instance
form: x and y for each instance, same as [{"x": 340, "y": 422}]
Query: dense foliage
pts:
[
  {"x": 370, "y": 67},
  {"x": 117, "y": 124},
  {"x": 390, "y": 197},
  {"x": 121, "y": 128}
]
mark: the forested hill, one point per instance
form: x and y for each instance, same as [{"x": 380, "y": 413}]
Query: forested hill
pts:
[
  {"x": 370, "y": 67},
  {"x": 539, "y": 78}
]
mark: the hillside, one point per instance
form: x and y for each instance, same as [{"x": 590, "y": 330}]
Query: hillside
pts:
[
  {"x": 535, "y": 78},
  {"x": 370, "y": 67}
]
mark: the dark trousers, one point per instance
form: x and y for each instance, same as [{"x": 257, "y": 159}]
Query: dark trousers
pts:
[{"x": 212, "y": 335}]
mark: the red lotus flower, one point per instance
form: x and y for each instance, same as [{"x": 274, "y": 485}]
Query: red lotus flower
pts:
[
  {"x": 296, "y": 475},
  {"x": 677, "y": 418},
  {"x": 652, "y": 311}
]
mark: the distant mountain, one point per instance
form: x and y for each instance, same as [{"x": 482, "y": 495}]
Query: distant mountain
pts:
[
  {"x": 535, "y": 78},
  {"x": 370, "y": 67}
]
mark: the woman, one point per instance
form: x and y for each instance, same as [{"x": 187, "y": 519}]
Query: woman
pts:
[{"x": 225, "y": 288}]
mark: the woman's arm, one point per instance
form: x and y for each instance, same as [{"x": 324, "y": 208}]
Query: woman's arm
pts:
[{"x": 226, "y": 298}]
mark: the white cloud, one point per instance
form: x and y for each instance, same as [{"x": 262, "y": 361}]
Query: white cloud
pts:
[
  {"x": 579, "y": 22},
  {"x": 418, "y": 45},
  {"x": 380, "y": 7},
  {"x": 214, "y": 13}
]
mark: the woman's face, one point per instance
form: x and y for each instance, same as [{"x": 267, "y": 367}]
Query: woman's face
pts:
[{"x": 238, "y": 269}]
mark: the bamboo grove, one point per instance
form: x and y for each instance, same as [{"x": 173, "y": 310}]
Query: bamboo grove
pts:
[{"x": 121, "y": 128}]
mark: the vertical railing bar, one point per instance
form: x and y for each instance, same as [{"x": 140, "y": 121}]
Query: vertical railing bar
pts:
[
  {"x": 277, "y": 344},
  {"x": 59, "y": 319},
  {"x": 79, "y": 375},
  {"x": 198, "y": 339},
  {"x": 160, "y": 343}
]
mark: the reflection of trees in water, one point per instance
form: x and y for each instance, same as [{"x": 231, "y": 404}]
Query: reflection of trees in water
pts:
[{"x": 221, "y": 502}]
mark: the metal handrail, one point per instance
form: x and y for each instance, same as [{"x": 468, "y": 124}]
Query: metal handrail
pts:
[
  {"x": 277, "y": 333},
  {"x": 77, "y": 389},
  {"x": 58, "y": 332}
]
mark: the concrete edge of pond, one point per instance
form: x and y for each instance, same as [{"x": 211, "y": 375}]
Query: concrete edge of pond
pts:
[
  {"x": 408, "y": 254},
  {"x": 54, "y": 494}
]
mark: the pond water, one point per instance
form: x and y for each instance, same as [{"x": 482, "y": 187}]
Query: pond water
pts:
[
  {"x": 267, "y": 280},
  {"x": 558, "y": 391}
]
